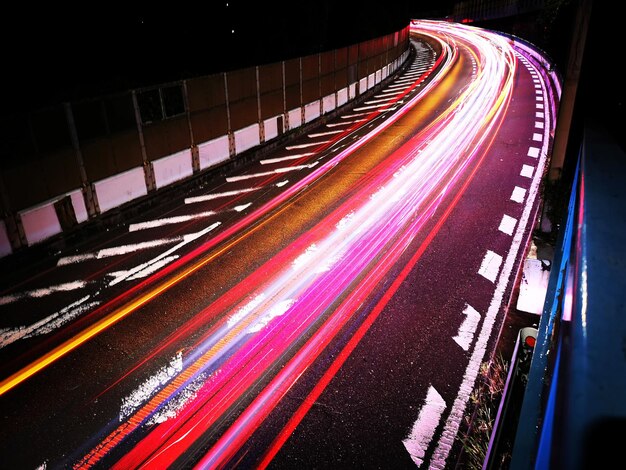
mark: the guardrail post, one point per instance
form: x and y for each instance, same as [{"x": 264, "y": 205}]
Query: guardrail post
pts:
[
  {"x": 258, "y": 105},
  {"x": 231, "y": 137},
  {"x": 195, "y": 154},
  {"x": 89, "y": 194},
  {"x": 148, "y": 171}
]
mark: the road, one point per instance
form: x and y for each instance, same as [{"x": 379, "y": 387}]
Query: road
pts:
[{"x": 326, "y": 306}]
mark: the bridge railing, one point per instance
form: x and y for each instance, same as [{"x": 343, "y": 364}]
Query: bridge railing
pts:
[{"x": 573, "y": 413}]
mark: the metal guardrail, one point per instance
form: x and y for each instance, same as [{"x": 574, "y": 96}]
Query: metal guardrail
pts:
[{"x": 573, "y": 413}]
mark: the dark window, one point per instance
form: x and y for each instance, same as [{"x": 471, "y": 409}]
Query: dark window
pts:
[
  {"x": 173, "y": 102},
  {"x": 150, "y": 106}
]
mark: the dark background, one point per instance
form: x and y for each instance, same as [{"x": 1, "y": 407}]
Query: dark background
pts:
[{"x": 59, "y": 53}]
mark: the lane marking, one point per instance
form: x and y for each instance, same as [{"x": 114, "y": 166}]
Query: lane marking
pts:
[
  {"x": 518, "y": 194},
  {"x": 323, "y": 134},
  {"x": 232, "y": 179},
  {"x": 507, "y": 224},
  {"x": 539, "y": 114},
  {"x": 210, "y": 197},
  {"x": 186, "y": 239},
  {"x": 537, "y": 137},
  {"x": 42, "y": 292},
  {"x": 539, "y": 106},
  {"x": 467, "y": 329},
  {"x": 490, "y": 266},
  {"x": 169, "y": 221},
  {"x": 48, "y": 324},
  {"x": 527, "y": 171},
  {"x": 303, "y": 146},
  {"x": 538, "y": 125},
  {"x": 287, "y": 158},
  {"x": 282, "y": 183},
  {"x": 425, "y": 426},
  {"x": 533, "y": 152},
  {"x": 381, "y": 100},
  {"x": 353, "y": 115},
  {"x": 143, "y": 270},
  {"x": 371, "y": 106},
  {"x": 337, "y": 124},
  {"x": 117, "y": 251}
]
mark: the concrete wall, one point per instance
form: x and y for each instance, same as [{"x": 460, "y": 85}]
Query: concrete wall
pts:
[{"x": 70, "y": 163}]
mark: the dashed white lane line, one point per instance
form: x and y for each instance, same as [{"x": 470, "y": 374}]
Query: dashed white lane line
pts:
[
  {"x": 518, "y": 194},
  {"x": 309, "y": 144},
  {"x": 268, "y": 161},
  {"x": 354, "y": 115},
  {"x": 539, "y": 125},
  {"x": 210, "y": 197},
  {"x": 507, "y": 224},
  {"x": 42, "y": 292},
  {"x": 539, "y": 115},
  {"x": 232, "y": 179},
  {"x": 537, "y": 137},
  {"x": 490, "y": 267},
  {"x": 380, "y": 100},
  {"x": 324, "y": 134},
  {"x": 169, "y": 221},
  {"x": 117, "y": 250},
  {"x": 465, "y": 336},
  {"x": 539, "y": 106},
  {"x": 527, "y": 171},
  {"x": 371, "y": 106},
  {"x": 280, "y": 184},
  {"x": 533, "y": 152},
  {"x": 425, "y": 426},
  {"x": 339, "y": 124}
]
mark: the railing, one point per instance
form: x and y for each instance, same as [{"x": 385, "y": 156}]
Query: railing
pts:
[
  {"x": 70, "y": 163},
  {"x": 573, "y": 413}
]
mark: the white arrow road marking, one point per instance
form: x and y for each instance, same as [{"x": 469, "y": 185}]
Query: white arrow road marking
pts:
[
  {"x": 127, "y": 275},
  {"x": 490, "y": 266},
  {"x": 467, "y": 329},
  {"x": 323, "y": 134},
  {"x": 48, "y": 324},
  {"x": 424, "y": 427},
  {"x": 169, "y": 220},
  {"x": 42, "y": 292},
  {"x": 144, "y": 269}
]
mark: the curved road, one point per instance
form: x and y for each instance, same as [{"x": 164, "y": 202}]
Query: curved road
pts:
[{"x": 328, "y": 306}]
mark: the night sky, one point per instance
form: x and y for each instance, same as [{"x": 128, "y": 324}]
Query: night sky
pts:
[{"x": 57, "y": 53}]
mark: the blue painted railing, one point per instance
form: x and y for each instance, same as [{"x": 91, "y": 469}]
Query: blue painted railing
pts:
[{"x": 573, "y": 414}]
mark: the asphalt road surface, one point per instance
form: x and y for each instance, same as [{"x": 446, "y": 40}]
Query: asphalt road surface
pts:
[{"x": 327, "y": 306}]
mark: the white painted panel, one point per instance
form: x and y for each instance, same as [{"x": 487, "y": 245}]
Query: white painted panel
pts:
[
  {"x": 378, "y": 76},
  {"x": 295, "y": 118},
  {"x": 118, "y": 189},
  {"x": 40, "y": 222},
  {"x": 352, "y": 91},
  {"x": 371, "y": 80},
  {"x": 342, "y": 96},
  {"x": 271, "y": 128},
  {"x": 311, "y": 111},
  {"x": 247, "y": 138},
  {"x": 328, "y": 103},
  {"x": 385, "y": 72},
  {"x": 172, "y": 168},
  {"x": 363, "y": 85},
  {"x": 78, "y": 202},
  {"x": 213, "y": 152},
  {"x": 5, "y": 244}
]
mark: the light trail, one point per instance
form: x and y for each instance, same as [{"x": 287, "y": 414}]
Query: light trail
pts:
[{"x": 344, "y": 257}]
